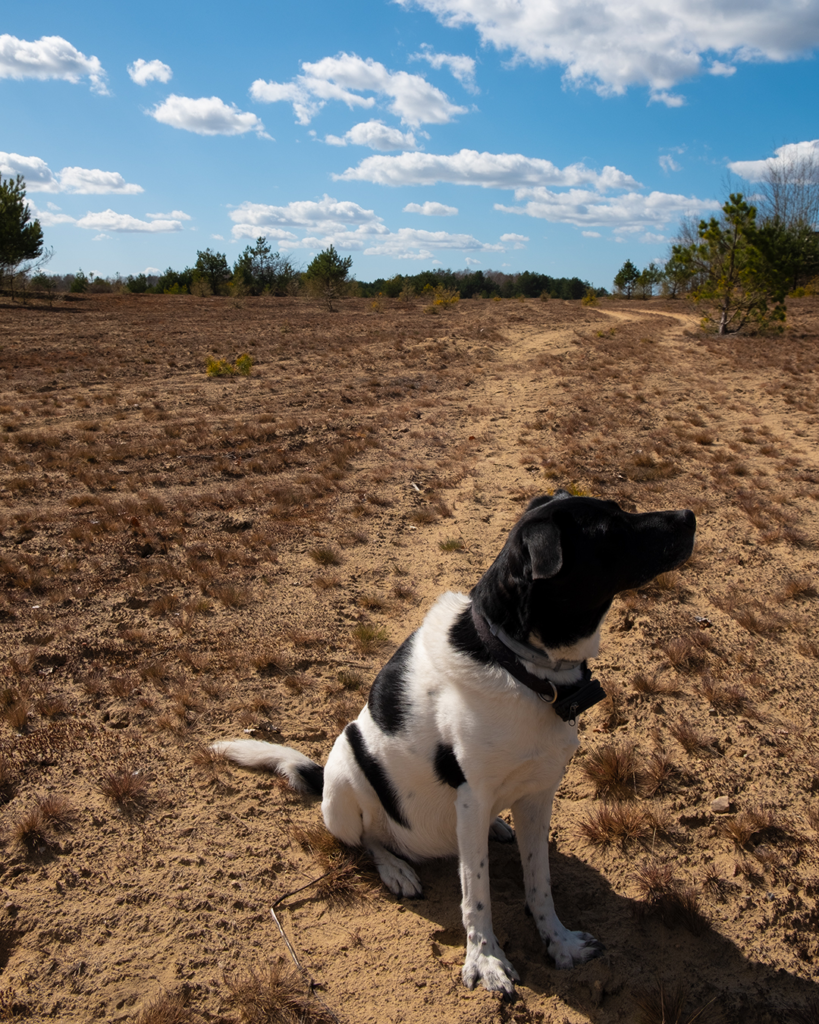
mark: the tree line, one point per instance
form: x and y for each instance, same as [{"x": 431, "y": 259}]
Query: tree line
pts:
[{"x": 737, "y": 267}]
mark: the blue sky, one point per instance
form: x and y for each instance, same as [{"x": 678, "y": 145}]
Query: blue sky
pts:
[{"x": 544, "y": 135}]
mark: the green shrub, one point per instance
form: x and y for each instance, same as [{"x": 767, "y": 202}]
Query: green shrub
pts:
[{"x": 222, "y": 368}]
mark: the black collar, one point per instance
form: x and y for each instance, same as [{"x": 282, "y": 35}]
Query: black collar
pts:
[{"x": 568, "y": 699}]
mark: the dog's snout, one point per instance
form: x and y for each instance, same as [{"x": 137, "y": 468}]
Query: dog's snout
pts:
[{"x": 689, "y": 520}]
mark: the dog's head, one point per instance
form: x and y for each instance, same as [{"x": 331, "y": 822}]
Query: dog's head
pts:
[{"x": 567, "y": 557}]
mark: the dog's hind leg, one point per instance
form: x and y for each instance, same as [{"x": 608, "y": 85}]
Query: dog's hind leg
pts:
[
  {"x": 532, "y": 816},
  {"x": 395, "y": 873}
]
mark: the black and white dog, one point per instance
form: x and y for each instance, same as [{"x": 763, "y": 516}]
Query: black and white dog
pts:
[{"x": 475, "y": 712}]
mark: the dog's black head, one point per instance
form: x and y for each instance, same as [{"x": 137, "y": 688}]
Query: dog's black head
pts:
[{"x": 567, "y": 557}]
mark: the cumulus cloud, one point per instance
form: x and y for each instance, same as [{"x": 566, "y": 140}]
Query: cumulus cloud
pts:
[
  {"x": 406, "y": 243},
  {"x": 591, "y": 234},
  {"x": 723, "y": 70},
  {"x": 206, "y": 116},
  {"x": 610, "y": 46},
  {"x": 630, "y": 212},
  {"x": 109, "y": 220},
  {"x": 375, "y": 135},
  {"x": 49, "y": 57},
  {"x": 77, "y": 180},
  {"x": 431, "y": 209},
  {"x": 326, "y": 215},
  {"x": 791, "y": 156},
  {"x": 173, "y": 215},
  {"x": 459, "y": 65},
  {"x": 144, "y": 71},
  {"x": 345, "y": 77},
  {"x": 489, "y": 170},
  {"x": 49, "y": 218},
  {"x": 515, "y": 241},
  {"x": 472, "y": 263}
]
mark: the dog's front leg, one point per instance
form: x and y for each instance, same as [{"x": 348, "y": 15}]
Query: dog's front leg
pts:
[
  {"x": 485, "y": 961},
  {"x": 532, "y": 816}
]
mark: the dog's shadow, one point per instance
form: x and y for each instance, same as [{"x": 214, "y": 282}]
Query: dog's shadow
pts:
[{"x": 641, "y": 952}]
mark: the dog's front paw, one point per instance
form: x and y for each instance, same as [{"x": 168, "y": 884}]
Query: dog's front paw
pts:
[
  {"x": 571, "y": 948},
  {"x": 495, "y": 972}
]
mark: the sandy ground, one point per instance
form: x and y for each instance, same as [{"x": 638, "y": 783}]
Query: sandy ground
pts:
[{"x": 184, "y": 559}]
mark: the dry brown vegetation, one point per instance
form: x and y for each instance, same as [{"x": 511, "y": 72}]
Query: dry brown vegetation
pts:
[{"x": 185, "y": 558}]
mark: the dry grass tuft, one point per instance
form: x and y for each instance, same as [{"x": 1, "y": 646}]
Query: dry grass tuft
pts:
[
  {"x": 344, "y": 884},
  {"x": 325, "y": 555},
  {"x": 659, "y": 774},
  {"x": 666, "y": 1004},
  {"x": 621, "y": 823},
  {"x": 280, "y": 994},
  {"x": 169, "y": 1008},
  {"x": 40, "y": 827},
  {"x": 664, "y": 895},
  {"x": 751, "y": 826},
  {"x": 731, "y": 699},
  {"x": 126, "y": 787},
  {"x": 613, "y": 770},
  {"x": 807, "y": 1014},
  {"x": 369, "y": 639},
  {"x": 691, "y": 739}
]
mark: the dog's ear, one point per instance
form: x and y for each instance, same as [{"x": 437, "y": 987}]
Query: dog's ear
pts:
[{"x": 542, "y": 541}]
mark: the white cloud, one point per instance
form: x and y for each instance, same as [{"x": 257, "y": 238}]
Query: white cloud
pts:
[
  {"x": 489, "y": 170},
  {"x": 610, "y": 45},
  {"x": 152, "y": 270},
  {"x": 108, "y": 220},
  {"x": 342, "y": 78},
  {"x": 670, "y": 99},
  {"x": 77, "y": 180},
  {"x": 173, "y": 215},
  {"x": 206, "y": 116},
  {"x": 460, "y": 66},
  {"x": 406, "y": 243},
  {"x": 375, "y": 135},
  {"x": 144, "y": 71},
  {"x": 326, "y": 215},
  {"x": 82, "y": 181},
  {"x": 516, "y": 241},
  {"x": 49, "y": 57},
  {"x": 668, "y": 163},
  {"x": 472, "y": 263},
  {"x": 591, "y": 234},
  {"x": 100, "y": 237},
  {"x": 724, "y": 70},
  {"x": 790, "y": 155},
  {"x": 652, "y": 237},
  {"x": 431, "y": 209},
  {"x": 47, "y": 218},
  {"x": 630, "y": 212},
  {"x": 219, "y": 238}
]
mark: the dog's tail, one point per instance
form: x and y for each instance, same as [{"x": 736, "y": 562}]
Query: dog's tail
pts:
[{"x": 303, "y": 775}]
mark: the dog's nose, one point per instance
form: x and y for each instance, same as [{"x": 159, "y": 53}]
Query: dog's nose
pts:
[{"x": 689, "y": 520}]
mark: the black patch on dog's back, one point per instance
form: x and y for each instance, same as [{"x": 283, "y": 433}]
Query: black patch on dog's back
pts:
[
  {"x": 375, "y": 775},
  {"x": 464, "y": 637},
  {"x": 388, "y": 701},
  {"x": 447, "y": 768}
]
